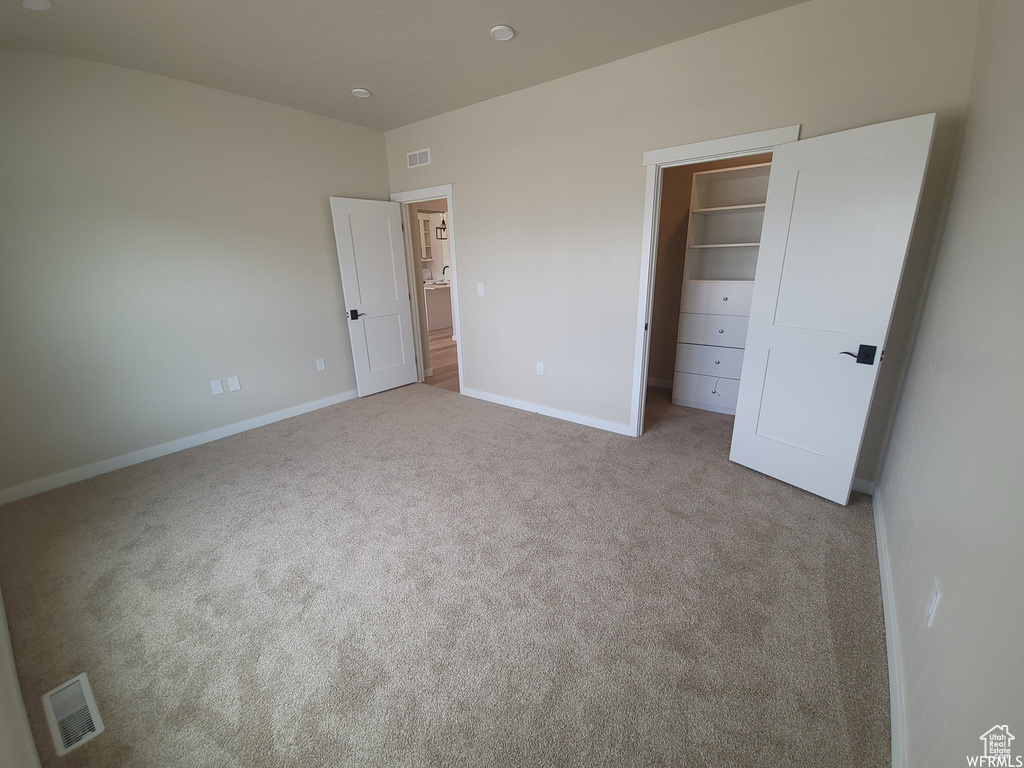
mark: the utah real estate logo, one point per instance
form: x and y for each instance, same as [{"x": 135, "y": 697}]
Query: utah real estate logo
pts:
[{"x": 997, "y": 750}]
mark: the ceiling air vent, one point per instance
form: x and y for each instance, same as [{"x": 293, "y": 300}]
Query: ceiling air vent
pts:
[
  {"x": 418, "y": 158},
  {"x": 72, "y": 714}
]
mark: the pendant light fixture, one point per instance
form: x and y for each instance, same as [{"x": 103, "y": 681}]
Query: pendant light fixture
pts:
[{"x": 441, "y": 232}]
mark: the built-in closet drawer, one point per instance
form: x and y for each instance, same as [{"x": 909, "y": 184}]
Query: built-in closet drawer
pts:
[
  {"x": 708, "y": 392},
  {"x": 710, "y": 361},
  {"x": 718, "y": 297},
  {"x": 723, "y": 330}
]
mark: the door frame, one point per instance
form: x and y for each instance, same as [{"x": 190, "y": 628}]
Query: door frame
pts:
[
  {"x": 422, "y": 195},
  {"x": 21, "y": 750},
  {"x": 655, "y": 162}
]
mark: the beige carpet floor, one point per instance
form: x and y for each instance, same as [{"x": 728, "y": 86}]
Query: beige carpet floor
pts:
[{"x": 422, "y": 579}]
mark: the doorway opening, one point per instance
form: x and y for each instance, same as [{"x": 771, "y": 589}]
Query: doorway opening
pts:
[
  {"x": 670, "y": 242},
  {"x": 429, "y": 228},
  {"x": 709, "y": 224}
]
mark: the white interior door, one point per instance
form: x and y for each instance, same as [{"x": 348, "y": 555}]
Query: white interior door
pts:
[
  {"x": 838, "y": 220},
  {"x": 371, "y": 256}
]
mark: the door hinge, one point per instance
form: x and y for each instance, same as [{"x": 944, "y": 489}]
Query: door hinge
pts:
[
  {"x": 403, "y": 225},
  {"x": 645, "y": 326}
]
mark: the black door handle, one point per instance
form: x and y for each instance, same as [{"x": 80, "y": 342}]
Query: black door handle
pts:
[
  {"x": 865, "y": 354},
  {"x": 355, "y": 314}
]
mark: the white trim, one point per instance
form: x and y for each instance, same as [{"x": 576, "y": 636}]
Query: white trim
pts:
[
  {"x": 17, "y": 749},
  {"x": 415, "y": 289},
  {"x": 863, "y": 486},
  {"x": 716, "y": 149},
  {"x": 655, "y": 160},
  {"x": 422, "y": 195},
  {"x": 898, "y": 727},
  {"x": 576, "y": 418},
  {"x": 648, "y": 264},
  {"x": 137, "y": 457}
]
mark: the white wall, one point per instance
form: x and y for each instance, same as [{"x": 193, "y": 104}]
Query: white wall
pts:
[
  {"x": 549, "y": 180},
  {"x": 951, "y": 491},
  {"x": 155, "y": 235}
]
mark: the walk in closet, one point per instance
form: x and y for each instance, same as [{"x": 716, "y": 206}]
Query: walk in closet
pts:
[{"x": 726, "y": 212}]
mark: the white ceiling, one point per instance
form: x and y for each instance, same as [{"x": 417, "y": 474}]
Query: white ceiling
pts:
[{"x": 419, "y": 58}]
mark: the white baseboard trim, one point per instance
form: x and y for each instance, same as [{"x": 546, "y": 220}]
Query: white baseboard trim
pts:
[
  {"x": 892, "y": 642},
  {"x": 864, "y": 486},
  {"x": 663, "y": 383},
  {"x": 137, "y": 457},
  {"x": 575, "y": 418}
]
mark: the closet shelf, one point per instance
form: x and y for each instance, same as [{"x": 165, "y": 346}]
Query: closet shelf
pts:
[
  {"x": 728, "y": 209},
  {"x": 719, "y": 280},
  {"x": 725, "y": 245}
]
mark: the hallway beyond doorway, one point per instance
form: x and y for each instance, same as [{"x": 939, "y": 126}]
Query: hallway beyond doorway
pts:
[{"x": 444, "y": 360}]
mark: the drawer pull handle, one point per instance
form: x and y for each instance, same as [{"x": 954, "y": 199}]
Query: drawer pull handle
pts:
[
  {"x": 717, "y": 362},
  {"x": 725, "y": 298},
  {"x": 721, "y": 330}
]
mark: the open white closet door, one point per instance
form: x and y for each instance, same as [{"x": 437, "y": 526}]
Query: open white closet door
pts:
[
  {"x": 371, "y": 256},
  {"x": 837, "y": 224}
]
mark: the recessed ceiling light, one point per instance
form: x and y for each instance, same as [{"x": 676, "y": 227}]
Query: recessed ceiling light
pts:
[
  {"x": 502, "y": 32},
  {"x": 362, "y": 93},
  {"x": 37, "y": 5}
]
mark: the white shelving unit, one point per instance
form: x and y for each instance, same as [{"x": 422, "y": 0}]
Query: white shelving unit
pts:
[{"x": 722, "y": 240}]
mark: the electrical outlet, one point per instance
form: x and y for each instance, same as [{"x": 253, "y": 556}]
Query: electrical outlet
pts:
[
  {"x": 540, "y": 369},
  {"x": 321, "y": 366},
  {"x": 479, "y": 289},
  {"x": 217, "y": 387},
  {"x": 933, "y": 602},
  {"x": 233, "y": 384}
]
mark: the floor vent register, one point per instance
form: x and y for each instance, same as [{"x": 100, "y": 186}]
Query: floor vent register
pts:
[{"x": 72, "y": 714}]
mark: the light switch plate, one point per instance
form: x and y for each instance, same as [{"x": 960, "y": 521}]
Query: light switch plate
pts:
[
  {"x": 321, "y": 366},
  {"x": 233, "y": 384}
]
